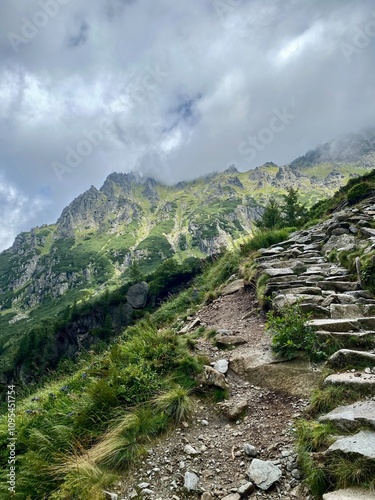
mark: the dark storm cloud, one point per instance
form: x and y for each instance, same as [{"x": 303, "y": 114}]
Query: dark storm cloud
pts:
[{"x": 171, "y": 89}]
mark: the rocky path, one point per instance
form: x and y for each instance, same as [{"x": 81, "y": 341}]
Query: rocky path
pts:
[{"x": 209, "y": 456}]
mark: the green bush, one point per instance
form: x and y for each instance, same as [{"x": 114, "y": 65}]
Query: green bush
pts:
[
  {"x": 265, "y": 239},
  {"x": 360, "y": 192},
  {"x": 291, "y": 335}
]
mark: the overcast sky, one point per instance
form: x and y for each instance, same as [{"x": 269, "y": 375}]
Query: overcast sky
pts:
[{"x": 171, "y": 88}]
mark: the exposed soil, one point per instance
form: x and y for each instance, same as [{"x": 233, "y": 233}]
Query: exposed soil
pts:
[{"x": 267, "y": 423}]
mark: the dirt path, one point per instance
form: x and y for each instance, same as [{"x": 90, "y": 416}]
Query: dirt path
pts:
[{"x": 220, "y": 460}]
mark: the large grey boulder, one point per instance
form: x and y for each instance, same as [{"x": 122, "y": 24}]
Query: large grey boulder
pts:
[
  {"x": 263, "y": 473},
  {"x": 350, "y": 417},
  {"x": 362, "y": 443},
  {"x": 137, "y": 295}
]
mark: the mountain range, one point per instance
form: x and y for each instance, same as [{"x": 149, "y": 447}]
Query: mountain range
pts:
[{"x": 100, "y": 233}]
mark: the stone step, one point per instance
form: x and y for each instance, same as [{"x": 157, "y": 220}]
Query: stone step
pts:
[
  {"x": 343, "y": 311},
  {"x": 315, "y": 310},
  {"x": 302, "y": 290},
  {"x": 347, "y": 276},
  {"x": 289, "y": 299},
  {"x": 294, "y": 279},
  {"x": 356, "y": 380},
  {"x": 350, "y": 340},
  {"x": 349, "y": 357},
  {"x": 351, "y": 417},
  {"x": 350, "y": 494},
  {"x": 362, "y": 444},
  {"x": 344, "y": 325},
  {"x": 340, "y": 286},
  {"x": 278, "y": 271}
]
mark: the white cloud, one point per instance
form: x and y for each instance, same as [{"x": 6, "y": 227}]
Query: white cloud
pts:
[{"x": 182, "y": 85}]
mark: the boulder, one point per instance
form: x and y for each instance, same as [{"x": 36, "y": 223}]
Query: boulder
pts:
[
  {"x": 232, "y": 496},
  {"x": 263, "y": 473},
  {"x": 137, "y": 295},
  {"x": 212, "y": 377},
  {"x": 234, "y": 409},
  {"x": 233, "y": 287}
]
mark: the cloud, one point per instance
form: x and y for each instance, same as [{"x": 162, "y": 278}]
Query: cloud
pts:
[{"x": 182, "y": 84}]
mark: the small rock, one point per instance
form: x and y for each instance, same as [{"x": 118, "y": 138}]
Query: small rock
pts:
[
  {"x": 233, "y": 496},
  {"x": 189, "y": 450},
  {"x": 246, "y": 489},
  {"x": 143, "y": 485},
  {"x": 206, "y": 496},
  {"x": 263, "y": 473},
  {"x": 111, "y": 496},
  {"x": 191, "y": 481},
  {"x": 221, "y": 366},
  {"x": 296, "y": 474},
  {"x": 250, "y": 450}
]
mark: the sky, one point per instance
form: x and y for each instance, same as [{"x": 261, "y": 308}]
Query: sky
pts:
[{"x": 172, "y": 89}]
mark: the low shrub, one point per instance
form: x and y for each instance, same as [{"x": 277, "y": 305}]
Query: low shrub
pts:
[
  {"x": 291, "y": 335},
  {"x": 359, "y": 192},
  {"x": 265, "y": 239}
]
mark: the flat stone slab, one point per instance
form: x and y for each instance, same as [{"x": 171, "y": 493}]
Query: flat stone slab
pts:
[
  {"x": 356, "y": 379},
  {"x": 309, "y": 290},
  {"x": 351, "y": 339},
  {"x": 340, "y": 286},
  {"x": 233, "y": 287},
  {"x": 344, "y": 311},
  {"x": 346, "y": 357},
  {"x": 352, "y": 416},
  {"x": 283, "y": 271},
  {"x": 362, "y": 443},
  {"x": 289, "y": 299},
  {"x": 350, "y": 494},
  {"x": 335, "y": 325},
  {"x": 263, "y": 473}
]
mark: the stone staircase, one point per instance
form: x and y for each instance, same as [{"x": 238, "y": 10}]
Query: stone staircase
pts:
[{"x": 299, "y": 271}]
